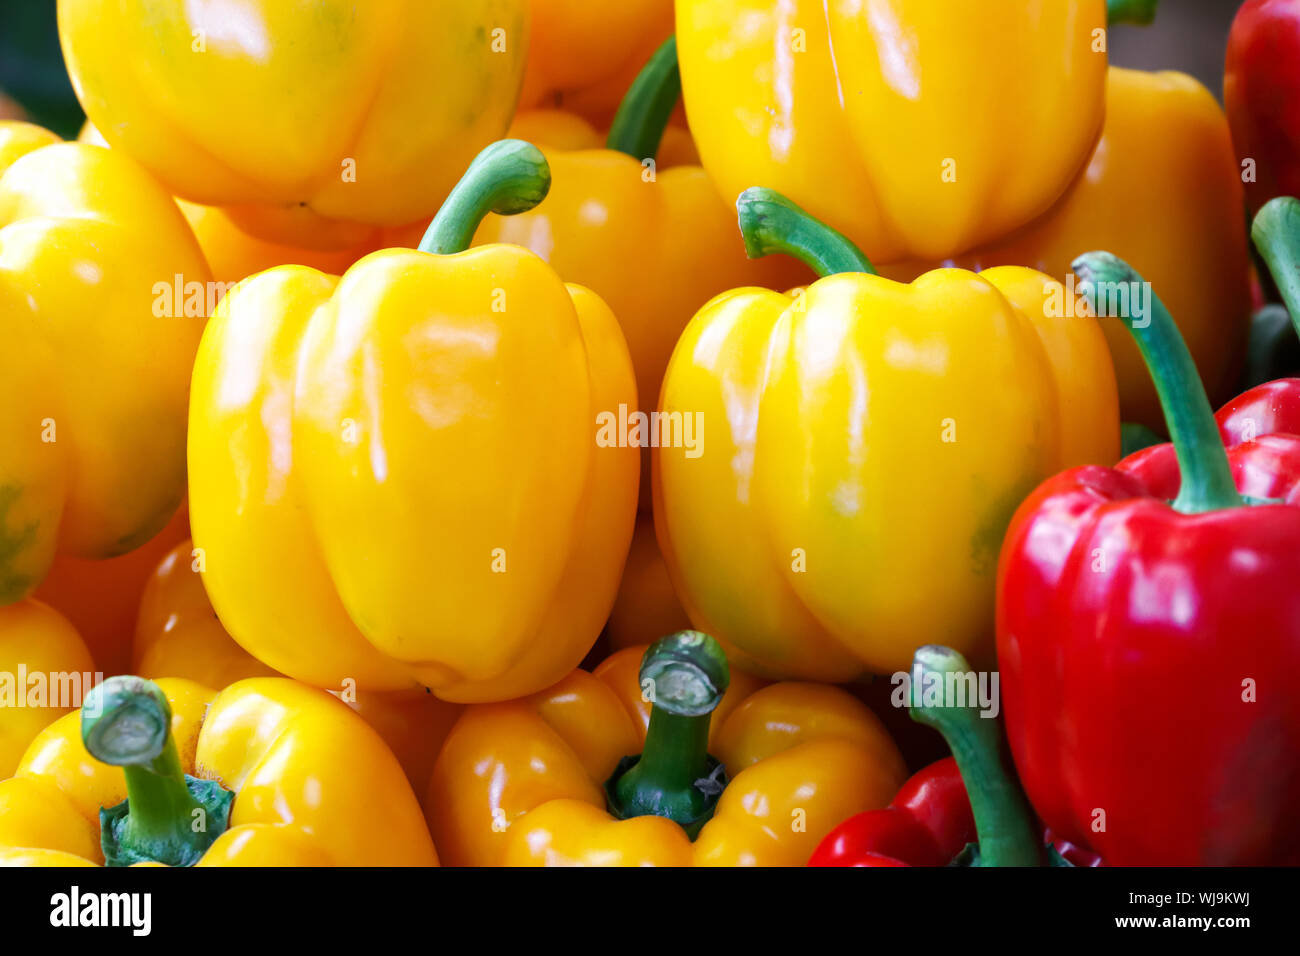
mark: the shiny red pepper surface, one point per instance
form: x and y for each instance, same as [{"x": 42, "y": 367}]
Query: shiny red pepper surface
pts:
[
  {"x": 927, "y": 824},
  {"x": 1149, "y": 652}
]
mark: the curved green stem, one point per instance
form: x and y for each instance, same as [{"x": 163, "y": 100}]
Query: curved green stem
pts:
[
  {"x": 1207, "y": 483},
  {"x": 1276, "y": 234},
  {"x": 674, "y": 776},
  {"x": 771, "y": 223},
  {"x": 507, "y": 178},
  {"x": 167, "y": 817},
  {"x": 1003, "y": 821},
  {"x": 1140, "y": 12},
  {"x": 643, "y": 115}
]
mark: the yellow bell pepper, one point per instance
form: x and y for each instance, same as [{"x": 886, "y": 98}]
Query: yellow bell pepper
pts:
[
  {"x": 402, "y": 463},
  {"x": 1163, "y": 191},
  {"x": 919, "y": 129},
  {"x": 867, "y": 444},
  {"x": 279, "y": 774},
  {"x": 590, "y": 772},
  {"x": 178, "y": 634},
  {"x": 653, "y": 243},
  {"x": 581, "y": 56},
  {"x": 44, "y": 665},
  {"x": 313, "y": 122},
  {"x": 94, "y": 376}
]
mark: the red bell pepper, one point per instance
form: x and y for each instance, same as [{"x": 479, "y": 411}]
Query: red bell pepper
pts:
[
  {"x": 1261, "y": 90},
  {"x": 931, "y": 820},
  {"x": 1148, "y": 649}
]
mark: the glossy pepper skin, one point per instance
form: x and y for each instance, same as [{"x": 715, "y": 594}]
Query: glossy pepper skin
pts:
[
  {"x": 312, "y": 784},
  {"x": 1261, "y": 91},
  {"x": 918, "y": 129},
  {"x": 864, "y": 450},
  {"x": 93, "y": 380},
  {"x": 313, "y": 123},
  {"x": 581, "y": 56},
  {"x": 1146, "y": 647},
  {"x": 37, "y": 639},
  {"x": 1165, "y": 138},
  {"x": 528, "y": 782},
  {"x": 927, "y": 823},
  {"x": 177, "y": 634},
  {"x": 1271, "y": 406},
  {"x": 654, "y": 243},
  {"x": 453, "y": 523}
]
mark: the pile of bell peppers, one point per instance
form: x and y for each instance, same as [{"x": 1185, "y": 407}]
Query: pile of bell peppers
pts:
[{"x": 632, "y": 452}]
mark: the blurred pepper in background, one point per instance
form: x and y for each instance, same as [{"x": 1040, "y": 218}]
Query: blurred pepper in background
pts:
[
  {"x": 974, "y": 123},
  {"x": 365, "y": 114}
]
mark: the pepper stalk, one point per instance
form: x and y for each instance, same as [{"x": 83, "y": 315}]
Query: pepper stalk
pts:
[
  {"x": 1276, "y": 234},
  {"x": 770, "y": 223},
  {"x": 1003, "y": 821},
  {"x": 675, "y": 776},
  {"x": 508, "y": 177},
  {"x": 1207, "y": 483},
  {"x": 643, "y": 115},
  {"x": 168, "y": 816}
]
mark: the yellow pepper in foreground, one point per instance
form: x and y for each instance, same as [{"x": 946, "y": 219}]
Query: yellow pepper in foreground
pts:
[
  {"x": 919, "y": 129},
  {"x": 95, "y": 373},
  {"x": 866, "y": 445},
  {"x": 394, "y": 475},
  {"x": 313, "y": 122},
  {"x": 712, "y": 769},
  {"x": 280, "y": 774},
  {"x": 1164, "y": 192},
  {"x": 42, "y": 658}
]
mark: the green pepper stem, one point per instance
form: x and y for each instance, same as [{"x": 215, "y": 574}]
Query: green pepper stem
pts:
[
  {"x": 1141, "y": 12},
  {"x": 674, "y": 776},
  {"x": 643, "y": 115},
  {"x": 126, "y": 722},
  {"x": 1207, "y": 483},
  {"x": 507, "y": 178},
  {"x": 772, "y": 223},
  {"x": 1276, "y": 234},
  {"x": 1003, "y": 822}
]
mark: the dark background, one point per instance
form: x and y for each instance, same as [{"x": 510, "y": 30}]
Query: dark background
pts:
[{"x": 1188, "y": 35}]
